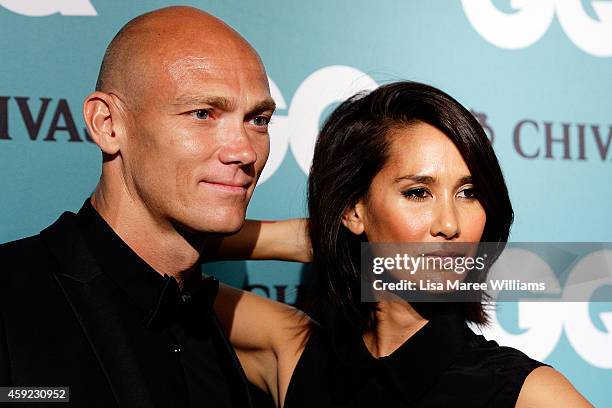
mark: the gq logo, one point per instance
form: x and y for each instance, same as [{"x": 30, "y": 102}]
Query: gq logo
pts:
[
  {"x": 542, "y": 323},
  {"x": 39, "y": 8},
  {"x": 532, "y": 19},
  {"x": 299, "y": 128}
]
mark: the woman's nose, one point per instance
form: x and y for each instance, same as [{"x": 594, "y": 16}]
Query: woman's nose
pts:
[{"x": 445, "y": 221}]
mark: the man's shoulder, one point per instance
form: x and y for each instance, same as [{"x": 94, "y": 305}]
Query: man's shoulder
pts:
[
  {"x": 32, "y": 253},
  {"x": 26, "y": 268},
  {"x": 26, "y": 250}
]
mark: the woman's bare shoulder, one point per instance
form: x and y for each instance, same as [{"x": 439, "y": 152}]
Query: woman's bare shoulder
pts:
[{"x": 545, "y": 387}]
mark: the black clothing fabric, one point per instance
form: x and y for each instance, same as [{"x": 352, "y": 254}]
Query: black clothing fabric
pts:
[
  {"x": 79, "y": 308},
  {"x": 445, "y": 364}
]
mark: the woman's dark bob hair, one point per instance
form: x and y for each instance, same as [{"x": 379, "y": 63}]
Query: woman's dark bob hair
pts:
[{"x": 350, "y": 150}]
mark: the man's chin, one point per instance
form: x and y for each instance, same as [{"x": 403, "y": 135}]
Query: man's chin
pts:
[
  {"x": 225, "y": 225},
  {"x": 222, "y": 225},
  {"x": 227, "y": 229}
]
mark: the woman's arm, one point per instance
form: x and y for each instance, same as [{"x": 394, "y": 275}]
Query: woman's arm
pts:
[
  {"x": 280, "y": 240},
  {"x": 268, "y": 337},
  {"x": 546, "y": 387}
]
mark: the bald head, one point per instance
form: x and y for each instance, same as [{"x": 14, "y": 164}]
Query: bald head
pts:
[
  {"x": 181, "y": 114},
  {"x": 154, "y": 40}
]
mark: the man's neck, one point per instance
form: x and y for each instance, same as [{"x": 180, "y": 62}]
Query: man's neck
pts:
[{"x": 159, "y": 245}]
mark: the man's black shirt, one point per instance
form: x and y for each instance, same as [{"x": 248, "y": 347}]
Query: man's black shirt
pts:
[
  {"x": 174, "y": 334},
  {"x": 79, "y": 308}
]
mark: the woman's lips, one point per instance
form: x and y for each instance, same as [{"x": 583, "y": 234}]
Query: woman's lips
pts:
[{"x": 444, "y": 254}]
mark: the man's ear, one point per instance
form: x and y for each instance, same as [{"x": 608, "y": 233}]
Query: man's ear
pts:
[
  {"x": 353, "y": 218},
  {"x": 98, "y": 114}
]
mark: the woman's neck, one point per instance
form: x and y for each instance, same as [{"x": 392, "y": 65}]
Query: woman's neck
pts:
[{"x": 396, "y": 322}]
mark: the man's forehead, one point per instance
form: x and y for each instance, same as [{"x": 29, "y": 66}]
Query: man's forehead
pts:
[
  {"x": 203, "y": 82},
  {"x": 214, "y": 66},
  {"x": 176, "y": 68}
]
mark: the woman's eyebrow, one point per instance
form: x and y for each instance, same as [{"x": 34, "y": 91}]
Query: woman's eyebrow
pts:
[
  {"x": 465, "y": 180},
  {"x": 420, "y": 178},
  {"x": 417, "y": 178}
]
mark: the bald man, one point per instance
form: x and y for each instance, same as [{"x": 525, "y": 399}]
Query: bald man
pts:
[{"x": 110, "y": 301}]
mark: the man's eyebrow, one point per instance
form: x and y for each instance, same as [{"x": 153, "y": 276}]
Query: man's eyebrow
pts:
[
  {"x": 262, "y": 106},
  {"x": 219, "y": 102},
  {"x": 223, "y": 103}
]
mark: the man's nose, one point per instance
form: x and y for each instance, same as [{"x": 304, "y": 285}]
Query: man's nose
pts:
[
  {"x": 238, "y": 148},
  {"x": 445, "y": 221}
]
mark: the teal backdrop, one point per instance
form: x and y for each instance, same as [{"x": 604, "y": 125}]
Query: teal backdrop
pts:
[{"x": 537, "y": 74}]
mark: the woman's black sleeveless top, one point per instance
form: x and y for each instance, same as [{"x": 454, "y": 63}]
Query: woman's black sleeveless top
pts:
[{"x": 445, "y": 364}]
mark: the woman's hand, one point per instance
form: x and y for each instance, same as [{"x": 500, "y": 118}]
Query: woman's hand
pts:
[{"x": 279, "y": 240}]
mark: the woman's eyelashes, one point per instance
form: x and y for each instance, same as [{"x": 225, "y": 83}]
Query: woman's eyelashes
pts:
[
  {"x": 416, "y": 194},
  {"x": 470, "y": 193},
  {"x": 422, "y": 193}
]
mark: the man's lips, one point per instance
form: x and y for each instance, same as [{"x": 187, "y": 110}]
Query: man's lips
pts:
[{"x": 230, "y": 187}]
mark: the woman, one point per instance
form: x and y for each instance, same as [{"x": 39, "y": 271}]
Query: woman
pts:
[{"x": 404, "y": 163}]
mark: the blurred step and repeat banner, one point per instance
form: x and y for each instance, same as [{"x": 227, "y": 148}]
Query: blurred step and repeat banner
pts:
[{"x": 536, "y": 74}]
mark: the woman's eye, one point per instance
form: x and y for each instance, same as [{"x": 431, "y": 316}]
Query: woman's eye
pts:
[
  {"x": 201, "y": 114},
  {"x": 468, "y": 193},
  {"x": 261, "y": 121},
  {"x": 417, "y": 194}
]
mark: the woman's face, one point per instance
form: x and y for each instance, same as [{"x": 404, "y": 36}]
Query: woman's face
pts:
[{"x": 424, "y": 193}]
